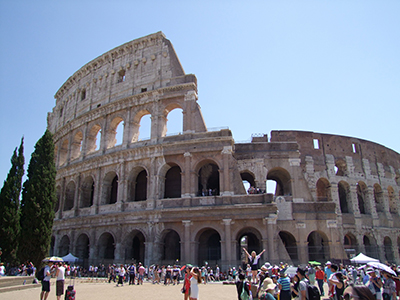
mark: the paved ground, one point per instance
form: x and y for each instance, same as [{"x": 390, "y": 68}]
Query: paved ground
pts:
[{"x": 216, "y": 291}]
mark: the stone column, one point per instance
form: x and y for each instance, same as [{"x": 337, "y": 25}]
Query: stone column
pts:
[
  {"x": 186, "y": 192},
  {"x": 77, "y": 194},
  {"x": 225, "y": 187},
  {"x": 97, "y": 192},
  {"x": 228, "y": 241},
  {"x": 270, "y": 221},
  {"x": 185, "y": 246}
]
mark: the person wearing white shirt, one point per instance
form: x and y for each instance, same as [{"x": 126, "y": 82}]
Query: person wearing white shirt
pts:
[{"x": 60, "y": 275}]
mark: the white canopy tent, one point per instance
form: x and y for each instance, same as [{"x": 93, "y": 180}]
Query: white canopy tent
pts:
[
  {"x": 363, "y": 259},
  {"x": 70, "y": 258}
]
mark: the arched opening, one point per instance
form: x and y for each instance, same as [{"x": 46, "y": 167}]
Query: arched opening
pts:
[
  {"x": 93, "y": 139},
  {"x": 250, "y": 239},
  {"x": 110, "y": 192},
  {"x": 208, "y": 184},
  {"x": 63, "y": 248},
  {"x": 69, "y": 196},
  {"x": 249, "y": 183},
  {"x": 141, "y": 186},
  {"x": 136, "y": 247},
  {"x": 116, "y": 125},
  {"x": 370, "y": 247},
  {"x": 340, "y": 167},
  {"x": 76, "y": 146},
  {"x": 173, "y": 182},
  {"x": 171, "y": 251},
  {"x": 387, "y": 244},
  {"x": 378, "y": 197},
  {"x": 209, "y": 243},
  {"x": 318, "y": 248},
  {"x": 344, "y": 194},
  {"x": 58, "y": 193},
  {"x": 106, "y": 246},
  {"x": 82, "y": 248},
  {"x": 350, "y": 245},
  {"x": 63, "y": 153},
  {"x": 175, "y": 122},
  {"x": 392, "y": 200},
  {"x": 289, "y": 241},
  {"x": 144, "y": 123},
  {"x": 361, "y": 196},
  {"x": 283, "y": 181},
  {"x": 87, "y": 192},
  {"x": 323, "y": 190}
]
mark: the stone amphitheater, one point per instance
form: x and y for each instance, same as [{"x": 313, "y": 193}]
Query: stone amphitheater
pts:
[{"x": 184, "y": 197}]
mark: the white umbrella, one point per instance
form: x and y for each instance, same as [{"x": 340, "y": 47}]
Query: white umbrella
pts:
[{"x": 381, "y": 266}]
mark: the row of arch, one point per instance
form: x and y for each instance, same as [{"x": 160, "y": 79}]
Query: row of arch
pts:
[
  {"x": 208, "y": 243},
  {"x": 368, "y": 200},
  {"x": 138, "y": 186},
  {"x": 101, "y": 135}
]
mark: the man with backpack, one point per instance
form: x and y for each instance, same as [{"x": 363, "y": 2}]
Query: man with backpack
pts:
[
  {"x": 46, "y": 280},
  {"x": 303, "y": 283}
]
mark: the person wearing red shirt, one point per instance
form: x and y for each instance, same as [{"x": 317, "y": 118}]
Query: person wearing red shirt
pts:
[{"x": 319, "y": 276}]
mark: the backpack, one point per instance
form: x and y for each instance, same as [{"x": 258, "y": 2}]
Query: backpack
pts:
[
  {"x": 313, "y": 292},
  {"x": 244, "y": 295},
  {"x": 40, "y": 274}
]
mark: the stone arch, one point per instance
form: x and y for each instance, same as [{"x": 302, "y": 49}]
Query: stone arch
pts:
[
  {"x": 323, "y": 187},
  {"x": 249, "y": 177},
  {"x": 362, "y": 192},
  {"x": 58, "y": 194},
  {"x": 135, "y": 246},
  {"x": 137, "y": 123},
  {"x": 87, "y": 192},
  {"x": 76, "y": 147},
  {"x": 112, "y": 132},
  {"x": 63, "y": 248},
  {"x": 283, "y": 181},
  {"x": 172, "y": 108},
  {"x": 172, "y": 181},
  {"x": 209, "y": 246},
  {"x": 106, "y": 246},
  {"x": 208, "y": 178},
  {"x": 388, "y": 249},
  {"x": 63, "y": 155},
  {"x": 289, "y": 241},
  {"x": 344, "y": 197},
  {"x": 171, "y": 247},
  {"x": 370, "y": 245},
  {"x": 318, "y": 246},
  {"x": 378, "y": 197},
  {"x": 393, "y": 208},
  {"x": 92, "y": 138},
  {"x": 110, "y": 188},
  {"x": 69, "y": 199},
  {"x": 83, "y": 246},
  {"x": 340, "y": 167},
  {"x": 137, "y": 189},
  {"x": 251, "y": 239},
  {"x": 350, "y": 244}
]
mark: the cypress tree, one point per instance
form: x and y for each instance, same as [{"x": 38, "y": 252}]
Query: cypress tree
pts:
[
  {"x": 9, "y": 207},
  {"x": 38, "y": 200}
]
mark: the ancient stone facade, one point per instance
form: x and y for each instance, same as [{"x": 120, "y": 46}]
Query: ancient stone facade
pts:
[{"x": 181, "y": 197}]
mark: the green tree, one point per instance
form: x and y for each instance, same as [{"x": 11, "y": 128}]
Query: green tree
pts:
[
  {"x": 9, "y": 207},
  {"x": 38, "y": 200}
]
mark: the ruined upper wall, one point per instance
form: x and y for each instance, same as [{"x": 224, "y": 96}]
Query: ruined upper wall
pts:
[
  {"x": 142, "y": 65},
  {"x": 318, "y": 145}
]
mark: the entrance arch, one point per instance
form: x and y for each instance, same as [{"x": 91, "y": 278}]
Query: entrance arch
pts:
[
  {"x": 171, "y": 248},
  {"x": 82, "y": 247},
  {"x": 135, "y": 249},
  {"x": 289, "y": 241},
  {"x": 106, "y": 246},
  {"x": 63, "y": 249},
  {"x": 249, "y": 238},
  {"x": 209, "y": 243},
  {"x": 318, "y": 248}
]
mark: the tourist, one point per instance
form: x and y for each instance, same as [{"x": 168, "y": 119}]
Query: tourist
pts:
[
  {"x": 2, "y": 270},
  {"x": 132, "y": 271},
  {"x": 337, "y": 280},
  {"x": 284, "y": 286},
  {"x": 186, "y": 283},
  {"x": 141, "y": 272},
  {"x": 319, "y": 276},
  {"x": 60, "y": 275},
  {"x": 374, "y": 284},
  {"x": 46, "y": 281},
  {"x": 311, "y": 274},
  {"x": 195, "y": 280},
  {"x": 303, "y": 283},
  {"x": 242, "y": 286},
  {"x": 267, "y": 290},
  {"x": 253, "y": 260},
  {"x": 389, "y": 287},
  {"x": 358, "y": 292}
]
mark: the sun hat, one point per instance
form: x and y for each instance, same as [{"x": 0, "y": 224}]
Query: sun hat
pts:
[{"x": 268, "y": 284}]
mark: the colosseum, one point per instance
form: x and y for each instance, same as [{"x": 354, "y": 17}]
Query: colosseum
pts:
[{"x": 184, "y": 197}]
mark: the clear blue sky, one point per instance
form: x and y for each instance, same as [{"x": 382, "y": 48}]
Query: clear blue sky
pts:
[{"x": 323, "y": 66}]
